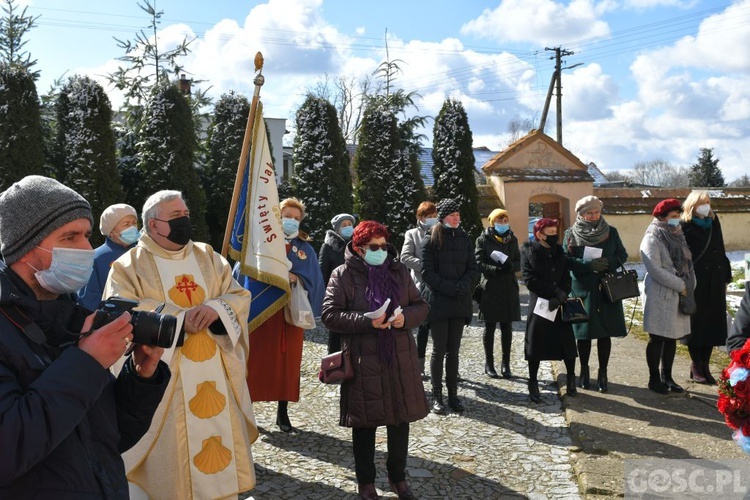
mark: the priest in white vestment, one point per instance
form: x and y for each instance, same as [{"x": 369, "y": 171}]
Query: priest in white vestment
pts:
[{"x": 198, "y": 445}]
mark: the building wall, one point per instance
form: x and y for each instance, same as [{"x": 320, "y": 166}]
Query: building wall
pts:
[
  {"x": 516, "y": 197},
  {"x": 631, "y": 227}
]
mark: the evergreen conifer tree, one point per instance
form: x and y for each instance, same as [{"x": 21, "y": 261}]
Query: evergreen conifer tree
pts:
[
  {"x": 13, "y": 28},
  {"x": 706, "y": 173},
  {"x": 386, "y": 187},
  {"x": 225, "y": 137},
  {"x": 167, "y": 153},
  {"x": 86, "y": 145},
  {"x": 453, "y": 164},
  {"x": 321, "y": 166},
  {"x": 21, "y": 142}
]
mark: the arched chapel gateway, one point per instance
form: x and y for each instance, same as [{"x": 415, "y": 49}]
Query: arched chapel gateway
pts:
[{"x": 536, "y": 169}]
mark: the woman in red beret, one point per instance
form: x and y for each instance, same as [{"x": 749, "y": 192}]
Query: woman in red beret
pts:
[
  {"x": 387, "y": 388},
  {"x": 545, "y": 272},
  {"x": 669, "y": 274}
]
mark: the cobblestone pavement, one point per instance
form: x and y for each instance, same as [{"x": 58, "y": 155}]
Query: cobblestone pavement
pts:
[{"x": 501, "y": 447}]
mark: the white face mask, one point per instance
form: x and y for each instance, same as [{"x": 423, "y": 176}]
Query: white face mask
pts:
[
  {"x": 70, "y": 270},
  {"x": 703, "y": 210}
]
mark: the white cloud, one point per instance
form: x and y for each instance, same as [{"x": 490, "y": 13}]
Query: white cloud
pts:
[
  {"x": 589, "y": 94},
  {"x": 650, "y": 4},
  {"x": 540, "y": 22}
]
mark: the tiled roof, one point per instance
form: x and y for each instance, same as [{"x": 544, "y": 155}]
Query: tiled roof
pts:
[{"x": 541, "y": 175}]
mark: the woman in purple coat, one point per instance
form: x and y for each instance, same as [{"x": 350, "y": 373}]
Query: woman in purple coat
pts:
[{"x": 387, "y": 387}]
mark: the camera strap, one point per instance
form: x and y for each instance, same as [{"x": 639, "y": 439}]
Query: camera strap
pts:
[{"x": 31, "y": 330}]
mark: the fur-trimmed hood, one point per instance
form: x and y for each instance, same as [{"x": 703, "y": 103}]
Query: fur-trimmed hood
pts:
[{"x": 335, "y": 240}]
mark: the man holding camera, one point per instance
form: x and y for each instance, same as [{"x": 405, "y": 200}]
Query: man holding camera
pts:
[
  {"x": 64, "y": 418},
  {"x": 199, "y": 443}
]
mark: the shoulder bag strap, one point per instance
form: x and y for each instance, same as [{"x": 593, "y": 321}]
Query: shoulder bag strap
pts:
[{"x": 708, "y": 242}]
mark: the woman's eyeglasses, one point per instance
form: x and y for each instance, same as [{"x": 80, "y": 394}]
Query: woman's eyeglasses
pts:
[{"x": 374, "y": 247}]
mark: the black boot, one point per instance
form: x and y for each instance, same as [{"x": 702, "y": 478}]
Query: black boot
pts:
[
  {"x": 534, "y": 395},
  {"x": 655, "y": 384},
  {"x": 489, "y": 351},
  {"x": 282, "y": 417},
  {"x": 454, "y": 402},
  {"x": 505, "y": 368},
  {"x": 570, "y": 384},
  {"x": 585, "y": 379},
  {"x": 601, "y": 380},
  {"x": 438, "y": 408},
  {"x": 667, "y": 380},
  {"x": 707, "y": 373},
  {"x": 421, "y": 369}
]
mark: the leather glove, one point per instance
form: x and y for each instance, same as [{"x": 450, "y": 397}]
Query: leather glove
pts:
[
  {"x": 600, "y": 265},
  {"x": 560, "y": 295},
  {"x": 553, "y": 304}
]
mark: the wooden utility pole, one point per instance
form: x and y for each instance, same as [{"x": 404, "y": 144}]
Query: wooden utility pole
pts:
[{"x": 556, "y": 78}]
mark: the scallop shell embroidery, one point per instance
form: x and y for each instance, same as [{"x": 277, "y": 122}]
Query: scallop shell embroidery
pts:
[
  {"x": 199, "y": 347},
  {"x": 207, "y": 402},
  {"x": 186, "y": 292},
  {"x": 213, "y": 457}
]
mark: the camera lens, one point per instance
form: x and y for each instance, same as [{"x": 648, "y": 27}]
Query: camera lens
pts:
[{"x": 152, "y": 328}]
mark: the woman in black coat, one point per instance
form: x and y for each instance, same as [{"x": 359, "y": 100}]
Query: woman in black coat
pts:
[
  {"x": 449, "y": 272},
  {"x": 545, "y": 272},
  {"x": 331, "y": 256},
  {"x": 708, "y": 327},
  {"x": 499, "y": 259}
]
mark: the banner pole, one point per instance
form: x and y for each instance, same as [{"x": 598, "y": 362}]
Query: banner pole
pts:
[{"x": 259, "y": 80}]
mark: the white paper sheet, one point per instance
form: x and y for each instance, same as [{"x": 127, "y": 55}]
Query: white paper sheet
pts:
[
  {"x": 498, "y": 256},
  {"x": 591, "y": 253},
  {"x": 379, "y": 312},
  {"x": 396, "y": 312},
  {"x": 542, "y": 309}
]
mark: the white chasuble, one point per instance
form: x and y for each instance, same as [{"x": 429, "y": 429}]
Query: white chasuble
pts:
[{"x": 210, "y": 444}]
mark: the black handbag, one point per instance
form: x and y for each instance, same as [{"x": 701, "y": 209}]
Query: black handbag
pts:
[
  {"x": 688, "y": 305},
  {"x": 620, "y": 285},
  {"x": 573, "y": 311}
]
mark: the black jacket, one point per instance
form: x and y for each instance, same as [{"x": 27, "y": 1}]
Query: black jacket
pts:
[
  {"x": 500, "y": 298},
  {"x": 331, "y": 254},
  {"x": 64, "y": 420},
  {"x": 450, "y": 273}
]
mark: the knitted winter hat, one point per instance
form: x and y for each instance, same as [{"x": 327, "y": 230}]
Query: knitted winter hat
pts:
[
  {"x": 337, "y": 220},
  {"x": 588, "y": 203},
  {"x": 114, "y": 214},
  {"x": 496, "y": 214},
  {"x": 447, "y": 206},
  {"x": 31, "y": 209}
]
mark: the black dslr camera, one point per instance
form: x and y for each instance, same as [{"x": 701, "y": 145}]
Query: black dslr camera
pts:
[{"x": 149, "y": 328}]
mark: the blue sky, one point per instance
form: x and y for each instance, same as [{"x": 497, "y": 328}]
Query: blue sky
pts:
[{"x": 658, "y": 79}]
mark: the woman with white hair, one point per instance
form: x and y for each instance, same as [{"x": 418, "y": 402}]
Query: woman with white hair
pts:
[
  {"x": 592, "y": 248},
  {"x": 708, "y": 327}
]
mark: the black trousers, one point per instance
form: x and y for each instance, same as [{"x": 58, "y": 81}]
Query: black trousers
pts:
[
  {"x": 423, "y": 334},
  {"x": 446, "y": 343},
  {"x": 363, "y": 442}
]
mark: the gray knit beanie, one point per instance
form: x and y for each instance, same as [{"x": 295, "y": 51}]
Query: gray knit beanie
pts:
[
  {"x": 31, "y": 209},
  {"x": 337, "y": 220}
]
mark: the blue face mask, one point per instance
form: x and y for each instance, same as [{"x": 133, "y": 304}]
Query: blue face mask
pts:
[
  {"x": 347, "y": 231},
  {"x": 673, "y": 222},
  {"x": 502, "y": 228},
  {"x": 130, "y": 235},
  {"x": 445, "y": 224},
  {"x": 430, "y": 221},
  {"x": 289, "y": 225},
  {"x": 375, "y": 258},
  {"x": 70, "y": 270}
]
